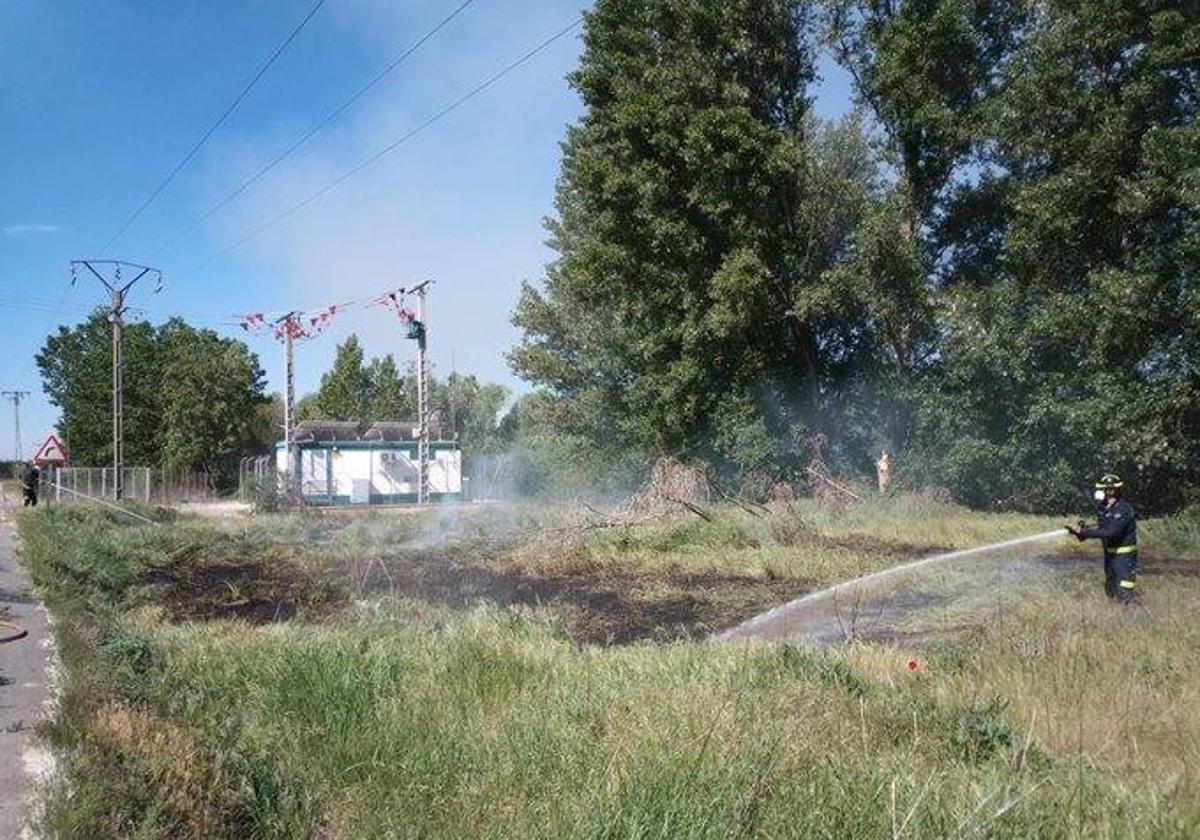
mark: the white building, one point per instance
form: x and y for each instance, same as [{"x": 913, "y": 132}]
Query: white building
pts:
[{"x": 334, "y": 465}]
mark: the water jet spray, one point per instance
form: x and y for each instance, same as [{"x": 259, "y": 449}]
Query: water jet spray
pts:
[{"x": 756, "y": 625}]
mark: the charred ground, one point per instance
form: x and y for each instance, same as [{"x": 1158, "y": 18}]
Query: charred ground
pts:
[{"x": 610, "y": 588}]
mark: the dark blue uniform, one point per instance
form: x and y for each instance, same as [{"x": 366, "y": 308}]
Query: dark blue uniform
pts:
[
  {"x": 30, "y": 485},
  {"x": 1116, "y": 528}
]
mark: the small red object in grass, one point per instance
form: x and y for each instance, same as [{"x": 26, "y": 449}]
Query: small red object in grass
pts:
[{"x": 913, "y": 665}]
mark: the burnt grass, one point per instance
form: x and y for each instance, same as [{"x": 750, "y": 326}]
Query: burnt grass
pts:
[
  {"x": 256, "y": 591},
  {"x": 609, "y": 605},
  {"x": 606, "y": 603}
]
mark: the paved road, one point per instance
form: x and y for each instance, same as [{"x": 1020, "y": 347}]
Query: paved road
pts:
[{"x": 25, "y": 675}]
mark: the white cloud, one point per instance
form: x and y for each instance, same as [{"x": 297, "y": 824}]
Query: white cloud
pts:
[
  {"x": 27, "y": 229},
  {"x": 461, "y": 203}
]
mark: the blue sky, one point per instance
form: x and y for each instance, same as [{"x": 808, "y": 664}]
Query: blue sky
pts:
[{"x": 102, "y": 97}]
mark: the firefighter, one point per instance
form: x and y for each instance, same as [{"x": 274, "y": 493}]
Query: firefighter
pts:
[
  {"x": 30, "y": 485},
  {"x": 1116, "y": 528}
]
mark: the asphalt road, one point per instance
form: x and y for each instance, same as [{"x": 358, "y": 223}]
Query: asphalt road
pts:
[{"x": 25, "y": 685}]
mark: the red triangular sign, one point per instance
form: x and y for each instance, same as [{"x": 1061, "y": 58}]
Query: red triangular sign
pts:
[{"x": 51, "y": 452}]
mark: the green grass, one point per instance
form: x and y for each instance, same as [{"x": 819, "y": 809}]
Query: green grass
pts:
[{"x": 1054, "y": 716}]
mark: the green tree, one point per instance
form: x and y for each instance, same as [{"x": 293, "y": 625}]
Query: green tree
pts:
[
  {"x": 76, "y": 369},
  {"x": 534, "y": 457},
  {"x": 366, "y": 391},
  {"x": 671, "y": 320},
  {"x": 732, "y": 275},
  {"x": 472, "y": 410},
  {"x": 211, "y": 390},
  {"x": 391, "y": 397},
  {"x": 1080, "y": 350},
  {"x": 190, "y": 397},
  {"x": 345, "y": 391},
  {"x": 928, "y": 72},
  {"x": 306, "y": 409},
  {"x": 266, "y": 428}
]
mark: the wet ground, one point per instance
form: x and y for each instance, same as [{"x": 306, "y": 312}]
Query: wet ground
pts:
[{"x": 932, "y": 600}]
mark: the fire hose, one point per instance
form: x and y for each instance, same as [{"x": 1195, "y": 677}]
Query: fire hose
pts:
[{"x": 12, "y": 632}]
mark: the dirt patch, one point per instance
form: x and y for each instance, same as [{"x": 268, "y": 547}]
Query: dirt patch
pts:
[{"x": 605, "y": 604}]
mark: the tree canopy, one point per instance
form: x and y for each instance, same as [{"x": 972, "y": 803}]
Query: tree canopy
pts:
[
  {"x": 363, "y": 391},
  {"x": 190, "y": 397},
  {"x": 692, "y": 308},
  {"x": 990, "y": 269}
]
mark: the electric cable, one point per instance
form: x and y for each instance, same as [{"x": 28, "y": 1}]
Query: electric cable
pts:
[
  {"x": 212, "y": 128},
  {"x": 404, "y": 138},
  {"x": 329, "y": 118},
  {"x": 8, "y": 301}
]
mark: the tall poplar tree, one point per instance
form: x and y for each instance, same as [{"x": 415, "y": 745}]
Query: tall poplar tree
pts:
[{"x": 691, "y": 309}]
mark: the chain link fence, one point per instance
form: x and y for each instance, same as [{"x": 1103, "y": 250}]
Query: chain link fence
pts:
[
  {"x": 256, "y": 473},
  {"x": 144, "y": 484}
]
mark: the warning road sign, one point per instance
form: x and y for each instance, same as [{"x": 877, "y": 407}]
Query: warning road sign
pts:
[{"x": 51, "y": 452}]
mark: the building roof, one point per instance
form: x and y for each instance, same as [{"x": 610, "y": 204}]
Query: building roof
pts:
[
  {"x": 381, "y": 430},
  {"x": 327, "y": 430},
  {"x": 392, "y": 430}
]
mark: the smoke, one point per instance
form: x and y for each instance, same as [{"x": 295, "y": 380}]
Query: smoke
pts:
[{"x": 446, "y": 523}]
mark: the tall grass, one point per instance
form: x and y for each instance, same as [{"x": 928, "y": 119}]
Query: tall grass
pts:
[{"x": 1058, "y": 717}]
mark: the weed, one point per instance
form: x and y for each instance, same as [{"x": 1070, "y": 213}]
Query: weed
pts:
[{"x": 982, "y": 731}]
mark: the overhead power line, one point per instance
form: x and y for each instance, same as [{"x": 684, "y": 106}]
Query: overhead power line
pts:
[
  {"x": 39, "y": 304},
  {"x": 404, "y": 138},
  {"x": 212, "y": 128},
  {"x": 33, "y": 304},
  {"x": 329, "y": 118}
]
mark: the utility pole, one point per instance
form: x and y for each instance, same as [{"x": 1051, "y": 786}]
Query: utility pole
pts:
[
  {"x": 422, "y": 398},
  {"x": 451, "y": 395},
  {"x": 289, "y": 326},
  {"x": 288, "y": 329},
  {"x": 416, "y": 328},
  {"x": 16, "y": 397},
  {"x": 117, "y": 292}
]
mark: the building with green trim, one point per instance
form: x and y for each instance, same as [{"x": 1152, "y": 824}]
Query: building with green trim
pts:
[{"x": 335, "y": 465}]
